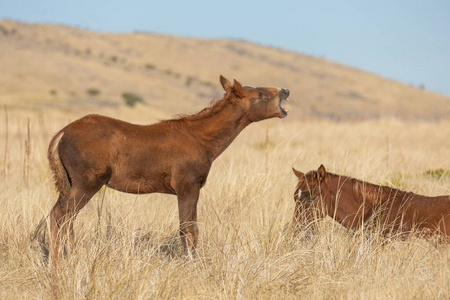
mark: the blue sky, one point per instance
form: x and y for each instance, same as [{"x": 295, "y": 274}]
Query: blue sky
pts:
[{"x": 408, "y": 41}]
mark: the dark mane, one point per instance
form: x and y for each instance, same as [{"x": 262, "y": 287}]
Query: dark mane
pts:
[
  {"x": 369, "y": 192},
  {"x": 375, "y": 194},
  {"x": 213, "y": 107}
]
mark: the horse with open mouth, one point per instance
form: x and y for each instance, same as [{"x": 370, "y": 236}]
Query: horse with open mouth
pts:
[
  {"x": 353, "y": 202},
  {"x": 172, "y": 156}
]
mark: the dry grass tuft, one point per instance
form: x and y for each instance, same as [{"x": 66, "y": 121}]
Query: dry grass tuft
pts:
[{"x": 127, "y": 245}]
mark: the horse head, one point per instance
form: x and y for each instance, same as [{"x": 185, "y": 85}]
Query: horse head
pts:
[
  {"x": 309, "y": 185},
  {"x": 309, "y": 195},
  {"x": 260, "y": 103}
]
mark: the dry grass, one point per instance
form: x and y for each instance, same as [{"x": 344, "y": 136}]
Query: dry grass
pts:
[{"x": 127, "y": 245}]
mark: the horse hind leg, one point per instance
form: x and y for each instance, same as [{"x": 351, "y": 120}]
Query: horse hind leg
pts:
[
  {"x": 63, "y": 215},
  {"x": 59, "y": 217},
  {"x": 40, "y": 233}
]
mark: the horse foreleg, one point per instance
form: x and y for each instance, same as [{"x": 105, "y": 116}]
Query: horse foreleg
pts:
[{"x": 187, "y": 208}]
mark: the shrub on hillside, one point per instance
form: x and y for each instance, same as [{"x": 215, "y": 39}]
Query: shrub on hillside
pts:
[
  {"x": 131, "y": 99},
  {"x": 437, "y": 173},
  {"x": 93, "y": 92}
]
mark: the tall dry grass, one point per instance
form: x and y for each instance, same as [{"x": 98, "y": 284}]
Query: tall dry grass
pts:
[{"x": 128, "y": 247}]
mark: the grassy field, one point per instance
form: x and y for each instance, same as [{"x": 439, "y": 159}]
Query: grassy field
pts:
[{"x": 128, "y": 246}]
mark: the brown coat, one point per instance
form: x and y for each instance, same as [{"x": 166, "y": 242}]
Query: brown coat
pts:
[
  {"x": 172, "y": 157},
  {"x": 353, "y": 202}
]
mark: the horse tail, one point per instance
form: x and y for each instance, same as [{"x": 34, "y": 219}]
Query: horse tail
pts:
[{"x": 62, "y": 181}]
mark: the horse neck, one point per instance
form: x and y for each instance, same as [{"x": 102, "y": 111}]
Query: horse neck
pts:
[
  {"x": 342, "y": 205},
  {"x": 218, "y": 129},
  {"x": 377, "y": 195}
]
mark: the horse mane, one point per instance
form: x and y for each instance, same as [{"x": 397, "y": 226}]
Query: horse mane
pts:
[
  {"x": 372, "y": 193},
  {"x": 213, "y": 107}
]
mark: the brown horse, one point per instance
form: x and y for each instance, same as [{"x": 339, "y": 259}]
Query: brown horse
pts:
[
  {"x": 353, "y": 202},
  {"x": 172, "y": 156}
]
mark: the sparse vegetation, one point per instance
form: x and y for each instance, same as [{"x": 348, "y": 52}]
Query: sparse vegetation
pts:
[
  {"x": 132, "y": 99},
  {"x": 193, "y": 79},
  {"x": 396, "y": 180},
  {"x": 119, "y": 60},
  {"x": 189, "y": 80},
  {"x": 437, "y": 173},
  {"x": 171, "y": 73},
  {"x": 5, "y": 31},
  {"x": 264, "y": 146},
  {"x": 128, "y": 246},
  {"x": 93, "y": 92}
]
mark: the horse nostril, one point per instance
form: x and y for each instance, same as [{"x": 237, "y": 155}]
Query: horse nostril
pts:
[{"x": 285, "y": 92}]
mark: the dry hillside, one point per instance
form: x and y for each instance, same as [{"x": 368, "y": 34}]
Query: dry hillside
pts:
[{"x": 45, "y": 65}]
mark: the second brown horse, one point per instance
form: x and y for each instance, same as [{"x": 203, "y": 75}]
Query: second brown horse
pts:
[
  {"x": 172, "y": 157},
  {"x": 353, "y": 202}
]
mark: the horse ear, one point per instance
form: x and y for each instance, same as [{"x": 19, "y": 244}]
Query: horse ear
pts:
[
  {"x": 225, "y": 83},
  {"x": 299, "y": 174},
  {"x": 238, "y": 91},
  {"x": 321, "y": 172}
]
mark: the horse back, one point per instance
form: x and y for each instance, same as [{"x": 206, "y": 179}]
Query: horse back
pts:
[
  {"x": 432, "y": 212},
  {"x": 99, "y": 137},
  {"x": 132, "y": 158}
]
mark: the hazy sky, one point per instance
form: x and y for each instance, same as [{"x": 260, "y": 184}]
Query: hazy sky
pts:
[{"x": 407, "y": 41}]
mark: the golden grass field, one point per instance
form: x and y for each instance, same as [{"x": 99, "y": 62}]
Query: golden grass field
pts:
[{"x": 128, "y": 246}]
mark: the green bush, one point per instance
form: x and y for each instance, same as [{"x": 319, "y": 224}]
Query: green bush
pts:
[
  {"x": 437, "y": 173},
  {"x": 93, "y": 92},
  {"x": 131, "y": 99}
]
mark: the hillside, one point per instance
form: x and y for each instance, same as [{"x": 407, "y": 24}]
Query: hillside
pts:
[{"x": 52, "y": 66}]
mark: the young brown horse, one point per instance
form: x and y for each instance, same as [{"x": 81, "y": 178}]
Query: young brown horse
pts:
[
  {"x": 353, "y": 202},
  {"x": 172, "y": 156}
]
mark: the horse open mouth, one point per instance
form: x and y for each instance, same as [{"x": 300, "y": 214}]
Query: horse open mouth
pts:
[{"x": 283, "y": 110}]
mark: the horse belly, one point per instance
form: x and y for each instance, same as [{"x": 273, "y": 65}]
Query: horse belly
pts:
[{"x": 136, "y": 182}]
